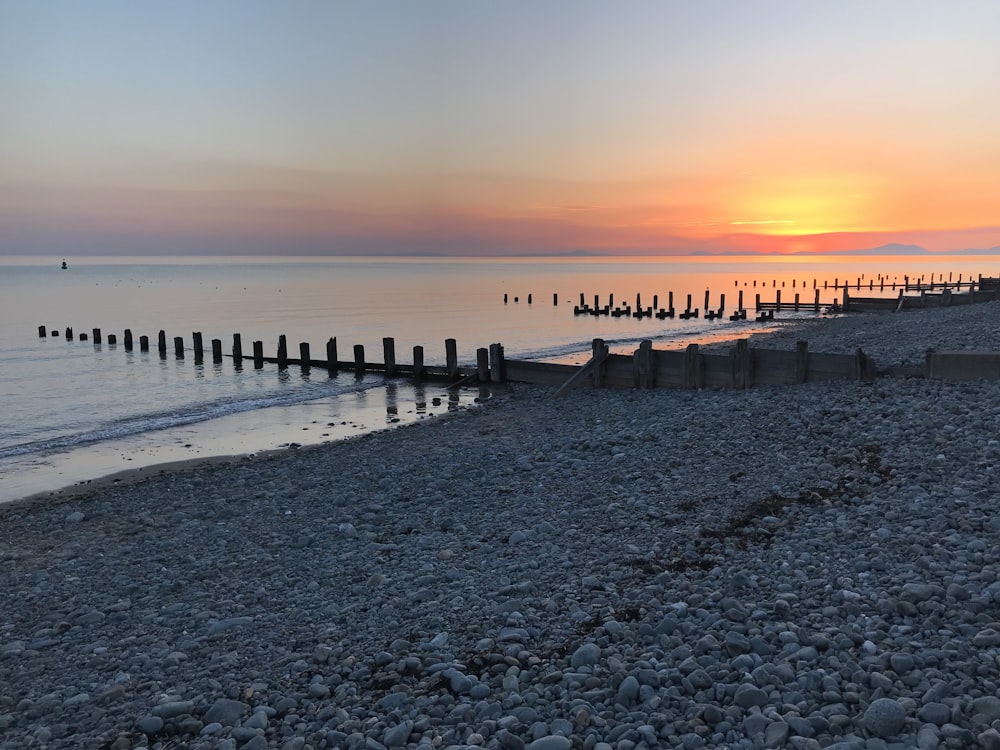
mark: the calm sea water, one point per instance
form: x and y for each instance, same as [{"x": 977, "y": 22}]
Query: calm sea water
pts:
[{"x": 74, "y": 410}]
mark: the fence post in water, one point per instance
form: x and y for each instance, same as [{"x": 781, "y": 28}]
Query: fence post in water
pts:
[
  {"x": 258, "y": 355},
  {"x": 691, "y": 375},
  {"x": 498, "y": 368},
  {"x": 706, "y": 300},
  {"x": 304, "y": 359},
  {"x": 816, "y": 302},
  {"x": 555, "y": 299},
  {"x": 144, "y": 343},
  {"x": 97, "y": 335},
  {"x": 418, "y": 363},
  {"x": 847, "y": 300},
  {"x": 69, "y": 334},
  {"x": 777, "y": 300},
  {"x": 389, "y": 356},
  {"x": 83, "y": 336},
  {"x": 359, "y": 361},
  {"x": 483, "y": 364},
  {"x": 217, "y": 351},
  {"x": 282, "y": 352},
  {"x": 128, "y": 339},
  {"x": 451, "y": 357},
  {"x": 796, "y": 302},
  {"x": 722, "y": 304},
  {"x": 642, "y": 362},
  {"x": 801, "y": 361},
  {"x": 112, "y": 339},
  {"x": 179, "y": 347},
  {"x": 529, "y": 298},
  {"x": 161, "y": 342},
  {"x": 757, "y": 303},
  {"x": 237, "y": 350},
  {"x": 42, "y": 332},
  {"x": 199, "y": 349},
  {"x": 331, "y": 356},
  {"x": 742, "y": 364}
]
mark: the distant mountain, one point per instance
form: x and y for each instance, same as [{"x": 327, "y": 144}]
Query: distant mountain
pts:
[
  {"x": 981, "y": 251},
  {"x": 893, "y": 248}
]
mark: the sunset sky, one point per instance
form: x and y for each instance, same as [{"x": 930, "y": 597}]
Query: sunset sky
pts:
[{"x": 472, "y": 128}]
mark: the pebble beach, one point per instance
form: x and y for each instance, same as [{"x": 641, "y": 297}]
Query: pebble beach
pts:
[{"x": 811, "y": 566}]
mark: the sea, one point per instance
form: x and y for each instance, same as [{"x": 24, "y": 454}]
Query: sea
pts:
[{"x": 75, "y": 411}]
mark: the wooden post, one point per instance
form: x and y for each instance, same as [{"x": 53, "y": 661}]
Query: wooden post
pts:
[
  {"x": 582, "y": 303},
  {"x": 642, "y": 362},
  {"x": 451, "y": 357},
  {"x": 483, "y": 364},
  {"x": 237, "y": 350},
  {"x": 670, "y": 301},
  {"x": 197, "y": 345},
  {"x": 389, "y": 355},
  {"x": 722, "y": 304},
  {"x": 282, "y": 352},
  {"x": 305, "y": 361},
  {"x": 359, "y": 360},
  {"x": 777, "y": 301},
  {"x": 555, "y": 299},
  {"x": 599, "y": 349},
  {"x": 498, "y": 369},
  {"x": 144, "y": 343},
  {"x": 179, "y": 347},
  {"x": 112, "y": 339},
  {"x": 529, "y": 298},
  {"x": 816, "y": 302},
  {"x": 796, "y": 302},
  {"x": 83, "y": 336},
  {"x": 847, "y": 300},
  {"x": 505, "y": 298},
  {"x": 42, "y": 332},
  {"x": 801, "y": 361},
  {"x": 638, "y": 301},
  {"x": 742, "y": 364},
  {"x": 706, "y": 300},
  {"x": 128, "y": 340},
  {"x": 217, "y": 351},
  {"x": 161, "y": 342},
  {"x": 258, "y": 355},
  {"x": 331, "y": 356},
  {"x": 863, "y": 367},
  {"x": 97, "y": 335},
  {"x": 739, "y": 304},
  {"x": 418, "y": 363},
  {"x": 757, "y": 303},
  {"x": 69, "y": 334},
  {"x": 656, "y": 302},
  {"x": 691, "y": 374}
]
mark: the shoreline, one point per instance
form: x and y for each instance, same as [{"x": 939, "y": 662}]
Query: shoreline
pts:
[{"x": 676, "y": 568}]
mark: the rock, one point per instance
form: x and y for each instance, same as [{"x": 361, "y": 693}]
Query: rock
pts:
[
  {"x": 75, "y": 517},
  {"x": 226, "y": 711},
  {"x": 885, "y": 717},
  {"x": 748, "y": 695},
  {"x": 149, "y": 724},
  {"x": 586, "y": 655},
  {"x": 553, "y": 742}
]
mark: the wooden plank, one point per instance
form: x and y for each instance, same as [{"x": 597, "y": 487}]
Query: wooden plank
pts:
[{"x": 586, "y": 370}]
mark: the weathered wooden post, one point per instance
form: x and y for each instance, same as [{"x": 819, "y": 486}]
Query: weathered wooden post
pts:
[
  {"x": 83, "y": 336},
  {"x": 359, "y": 361},
  {"x": 642, "y": 364},
  {"x": 305, "y": 361},
  {"x": 816, "y": 302},
  {"x": 144, "y": 343},
  {"x": 42, "y": 332},
  {"x": 722, "y": 304},
  {"x": 505, "y": 298},
  {"x": 258, "y": 355},
  {"x": 670, "y": 303},
  {"x": 179, "y": 347},
  {"x": 757, "y": 303},
  {"x": 112, "y": 339},
  {"x": 529, "y": 298},
  {"x": 706, "y": 300},
  {"x": 777, "y": 300},
  {"x": 691, "y": 374},
  {"x": 847, "y": 300},
  {"x": 599, "y": 349},
  {"x": 742, "y": 364},
  {"x": 389, "y": 356},
  {"x": 555, "y": 299},
  {"x": 451, "y": 357},
  {"x": 656, "y": 301},
  {"x": 199, "y": 349},
  {"x": 331, "y": 356},
  {"x": 796, "y": 302},
  {"x": 161, "y": 342},
  {"x": 69, "y": 334},
  {"x": 483, "y": 364},
  {"x": 418, "y": 363},
  {"x": 801, "y": 361},
  {"x": 282, "y": 352},
  {"x": 128, "y": 339},
  {"x": 498, "y": 368},
  {"x": 97, "y": 335},
  {"x": 638, "y": 301},
  {"x": 217, "y": 351},
  {"x": 237, "y": 350},
  {"x": 582, "y": 303}
]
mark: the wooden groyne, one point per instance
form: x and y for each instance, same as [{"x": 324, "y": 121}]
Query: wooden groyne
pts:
[{"x": 740, "y": 367}]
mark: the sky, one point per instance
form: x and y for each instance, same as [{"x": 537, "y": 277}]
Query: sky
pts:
[{"x": 462, "y": 127}]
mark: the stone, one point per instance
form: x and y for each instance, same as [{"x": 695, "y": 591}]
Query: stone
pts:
[
  {"x": 586, "y": 655},
  {"x": 885, "y": 717},
  {"x": 226, "y": 711}
]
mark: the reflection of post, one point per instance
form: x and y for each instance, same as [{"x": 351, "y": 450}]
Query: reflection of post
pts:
[
  {"x": 453, "y": 396},
  {"x": 420, "y": 397},
  {"x": 391, "y": 402}
]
